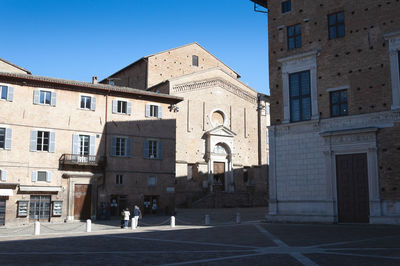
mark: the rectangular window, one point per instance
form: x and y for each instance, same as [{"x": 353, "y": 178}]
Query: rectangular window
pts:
[
  {"x": 86, "y": 102},
  {"x": 122, "y": 107},
  {"x": 286, "y": 6},
  {"x": 42, "y": 176},
  {"x": 120, "y": 148},
  {"x": 84, "y": 144},
  {"x": 294, "y": 36},
  {"x": 338, "y": 100},
  {"x": 153, "y": 149},
  {"x": 336, "y": 25},
  {"x": 4, "y": 92},
  {"x": 151, "y": 181},
  {"x": 42, "y": 143},
  {"x": 153, "y": 110},
  {"x": 2, "y": 138},
  {"x": 119, "y": 179},
  {"x": 195, "y": 60},
  {"x": 39, "y": 208},
  {"x": 300, "y": 96},
  {"x": 45, "y": 97}
]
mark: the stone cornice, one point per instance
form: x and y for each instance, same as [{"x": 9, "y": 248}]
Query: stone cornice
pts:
[{"x": 216, "y": 82}]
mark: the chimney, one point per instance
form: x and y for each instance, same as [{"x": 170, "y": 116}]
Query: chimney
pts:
[{"x": 94, "y": 79}]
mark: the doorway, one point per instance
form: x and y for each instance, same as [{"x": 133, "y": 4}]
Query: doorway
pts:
[
  {"x": 219, "y": 175},
  {"x": 82, "y": 201},
  {"x": 2, "y": 212},
  {"x": 352, "y": 188},
  {"x": 39, "y": 208}
]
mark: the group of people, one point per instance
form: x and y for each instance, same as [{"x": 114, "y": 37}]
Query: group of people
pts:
[{"x": 126, "y": 214}]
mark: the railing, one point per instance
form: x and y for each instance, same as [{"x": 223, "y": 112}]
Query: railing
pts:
[{"x": 82, "y": 160}]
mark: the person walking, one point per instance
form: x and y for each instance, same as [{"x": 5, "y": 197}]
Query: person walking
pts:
[
  {"x": 126, "y": 217},
  {"x": 136, "y": 215}
]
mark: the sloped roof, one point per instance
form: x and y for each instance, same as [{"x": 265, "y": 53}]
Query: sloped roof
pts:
[
  {"x": 101, "y": 87},
  {"x": 16, "y": 66},
  {"x": 179, "y": 47}
]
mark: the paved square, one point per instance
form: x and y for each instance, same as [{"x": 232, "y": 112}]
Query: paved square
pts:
[{"x": 251, "y": 243}]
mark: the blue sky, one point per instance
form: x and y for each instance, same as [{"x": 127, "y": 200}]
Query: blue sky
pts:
[{"x": 78, "y": 39}]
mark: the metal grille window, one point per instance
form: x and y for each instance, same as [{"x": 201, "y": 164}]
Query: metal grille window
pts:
[
  {"x": 2, "y": 138},
  {"x": 300, "y": 97},
  {"x": 195, "y": 60},
  {"x": 336, "y": 25},
  {"x": 286, "y": 6},
  {"x": 39, "y": 208},
  {"x": 120, "y": 146},
  {"x": 119, "y": 179},
  {"x": 45, "y": 97},
  {"x": 122, "y": 107},
  {"x": 4, "y": 91},
  {"x": 42, "y": 143},
  {"x": 86, "y": 102},
  {"x": 294, "y": 36},
  {"x": 338, "y": 101},
  {"x": 41, "y": 176},
  {"x": 153, "y": 149}
]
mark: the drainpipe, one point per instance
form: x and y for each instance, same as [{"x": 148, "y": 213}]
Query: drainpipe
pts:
[{"x": 259, "y": 108}]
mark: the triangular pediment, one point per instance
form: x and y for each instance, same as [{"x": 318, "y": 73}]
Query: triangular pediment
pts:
[{"x": 221, "y": 131}]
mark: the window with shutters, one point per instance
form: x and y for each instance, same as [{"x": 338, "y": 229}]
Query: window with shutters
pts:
[
  {"x": 294, "y": 36},
  {"x": 45, "y": 97},
  {"x": 6, "y": 93},
  {"x": 42, "y": 143},
  {"x": 42, "y": 176},
  {"x": 121, "y": 147},
  {"x": 3, "y": 175},
  {"x": 153, "y": 110},
  {"x": 300, "y": 96},
  {"x": 336, "y": 25},
  {"x": 2, "y": 138},
  {"x": 86, "y": 102}
]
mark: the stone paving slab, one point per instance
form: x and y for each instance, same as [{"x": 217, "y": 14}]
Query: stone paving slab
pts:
[{"x": 249, "y": 243}]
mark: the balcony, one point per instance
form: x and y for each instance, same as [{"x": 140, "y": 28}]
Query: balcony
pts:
[{"x": 82, "y": 161}]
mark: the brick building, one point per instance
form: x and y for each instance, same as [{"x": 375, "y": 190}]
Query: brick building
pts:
[
  {"x": 335, "y": 110},
  {"x": 221, "y": 149},
  {"x": 68, "y": 149}
]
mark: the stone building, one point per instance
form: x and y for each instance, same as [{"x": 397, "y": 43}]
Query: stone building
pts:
[
  {"x": 68, "y": 149},
  {"x": 335, "y": 110},
  {"x": 221, "y": 149}
]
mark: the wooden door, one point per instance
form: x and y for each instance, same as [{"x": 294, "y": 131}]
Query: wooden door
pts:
[
  {"x": 219, "y": 173},
  {"x": 352, "y": 188},
  {"x": 2, "y": 212},
  {"x": 82, "y": 201}
]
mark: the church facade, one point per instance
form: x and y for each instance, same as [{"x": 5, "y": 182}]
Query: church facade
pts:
[{"x": 221, "y": 135}]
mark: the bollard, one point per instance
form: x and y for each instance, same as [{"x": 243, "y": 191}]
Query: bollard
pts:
[
  {"x": 88, "y": 225},
  {"x": 172, "y": 221},
  {"x": 37, "y": 228},
  {"x": 133, "y": 223},
  {"x": 207, "y": 219},
  {"x": 238, "y": 218}
]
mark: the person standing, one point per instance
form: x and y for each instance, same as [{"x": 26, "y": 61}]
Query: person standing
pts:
[
  {"x": 136, "y": 215},
  {"x": 126, "y": 217}
]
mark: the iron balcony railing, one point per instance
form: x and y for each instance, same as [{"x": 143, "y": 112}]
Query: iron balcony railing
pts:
[{"x": 82, "y": 160}]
